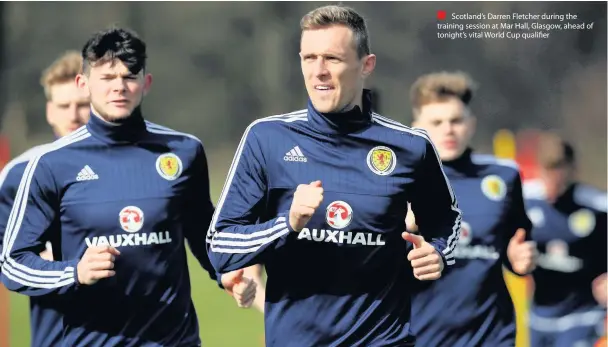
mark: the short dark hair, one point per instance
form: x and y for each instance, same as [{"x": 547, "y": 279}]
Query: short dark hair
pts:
[
  {"x": 339, "y": 15},
  {"x": 115, "y": 43}
]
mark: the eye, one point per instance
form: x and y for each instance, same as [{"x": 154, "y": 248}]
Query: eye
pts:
[{"x": 458, "y": 120}]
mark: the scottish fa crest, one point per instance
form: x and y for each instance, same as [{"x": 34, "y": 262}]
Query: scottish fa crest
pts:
[
  {"x": 169, "y": 166},
  {"x": 494, "y": 187},
  {"x": 381, "y": 160}
]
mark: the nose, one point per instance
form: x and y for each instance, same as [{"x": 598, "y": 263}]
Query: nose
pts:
[
  {"x": 320, "y": 67},
  {"x": 119, "y": 84},
  {"x": 447, "y": 128},
  {"x": 74, "y": 114}
]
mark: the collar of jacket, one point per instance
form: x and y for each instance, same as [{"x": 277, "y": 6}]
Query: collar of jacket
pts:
[
  {"x": 342, "y": 122},
  {"x": 126, "y": 130},
  {"x": 462, "y": 164}
]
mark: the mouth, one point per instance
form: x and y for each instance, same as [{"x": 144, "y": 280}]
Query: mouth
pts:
[
  {"x": 121, "y": 102},
  {"x": 449, "y": 144},
  {"x": 323, "y": 87}
]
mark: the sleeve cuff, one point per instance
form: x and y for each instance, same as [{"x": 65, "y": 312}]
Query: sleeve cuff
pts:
[
  {"x": 286, "y": 216},
  {"x": 439, "y": 247},
  {"x": 219, "y": 280}
]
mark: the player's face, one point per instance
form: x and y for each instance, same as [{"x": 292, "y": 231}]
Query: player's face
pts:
[
  {"x": 115, "y": 91},
  {"x": 556, "y": 180},
  {"x": 68, "y": 108},
  {"x": 333, "y": 72},
  {"x": 450, "y": 126}
]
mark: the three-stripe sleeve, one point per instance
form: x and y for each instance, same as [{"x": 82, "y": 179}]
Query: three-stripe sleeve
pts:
[
  {"x": 9, "y": 182},
  {"x": 236, "y": 238},
  {"x": 435, "y": 205},
  {"x": 29, "y": 224}
]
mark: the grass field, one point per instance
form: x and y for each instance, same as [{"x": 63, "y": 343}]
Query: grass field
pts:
[{"x": 222, "y": 323}]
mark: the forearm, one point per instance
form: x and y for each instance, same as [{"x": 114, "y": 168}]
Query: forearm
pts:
[
  {"x": 27, "y": 273},
  {"x": 233, "y": 247}
]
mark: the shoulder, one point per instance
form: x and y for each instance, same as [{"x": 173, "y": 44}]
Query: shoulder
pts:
[
  {"x": 16, "y": 167},
  {"x": 591, "y": 197},
  {"x": 493, "y": 161},
  {"x": 54, "y": 151},
  {"x": 412, "y": 137},
  {"x": 172, "y": 136},
  {"x": 492, "y": 165},
  {"x": 266, "y": 125}
]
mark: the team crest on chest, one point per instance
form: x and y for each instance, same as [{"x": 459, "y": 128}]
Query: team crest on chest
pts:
[
  {"x": 581, "y": 222},
  {"x": 339, "y": 214},
  {"x": 381, "y": 160},
  {"x": 169, "y": 166},
  {"x": 494, "y": 187}
]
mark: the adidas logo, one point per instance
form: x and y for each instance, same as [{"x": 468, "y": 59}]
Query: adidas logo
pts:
[
  {"x": 86, "y": 174},
  {"x": 295, "y": 155}
]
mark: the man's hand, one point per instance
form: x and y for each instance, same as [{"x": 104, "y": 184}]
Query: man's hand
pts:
[
  {"x": 306, "y": 200},
  {"x": 410, "y": 219},
  {"x": 426, "y": 261},
  {"x": 46, "y": 255},
  {"x": 600, "y": 289},
  {"x": 96, "y": 263},
  {"x": 241, "y": 288},
  {"x": 522, "y": 254}
]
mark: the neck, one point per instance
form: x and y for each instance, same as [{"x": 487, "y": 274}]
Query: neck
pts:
[
  {"x": 124, "y": 130},
  {"x": 460, "y": 163},
  {"x": 352, "y": 118}
]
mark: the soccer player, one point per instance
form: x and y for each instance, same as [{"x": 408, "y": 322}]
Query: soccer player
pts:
[
  {"x": 569, "y": 299},
  {"x": 319, "y": 197},
  {"x": 121, "y": 195},
  {"x": 67, "y": 109},
  {"x": 470, "y": 305}
]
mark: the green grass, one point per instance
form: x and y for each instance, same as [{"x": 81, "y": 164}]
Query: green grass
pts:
[{"x": 222, "y": 323}]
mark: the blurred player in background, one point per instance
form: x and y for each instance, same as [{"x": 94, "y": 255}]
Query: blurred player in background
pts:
[
  {"x": 67, "y": 109},
  {"x": 318, "y": 197},
  {"x": 470, "y": 305},
  {"x": 569, "y": 299},
  {"x": 122, "y": 196}
]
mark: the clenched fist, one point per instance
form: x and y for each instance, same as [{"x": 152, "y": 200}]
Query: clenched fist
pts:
[
  {"x": 242, "y": 289},
  {"x": 522, "y": 254},
  {"x": 306, "y": 200},
  {"x": 426, "y": 261},
  {"x": 96, "y": 263}
]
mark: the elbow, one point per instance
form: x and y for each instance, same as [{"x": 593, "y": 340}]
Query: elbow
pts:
[{"x": 219, "y": 261}]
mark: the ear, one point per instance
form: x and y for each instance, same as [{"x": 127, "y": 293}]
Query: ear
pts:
[
  {"x": 49, "y": 114},
  {"x": 369, "y": 64},
  {"x": 472, "y": 124},
  {"x": 147, "y": 83},
  {"x": 82, "y": 82}
]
